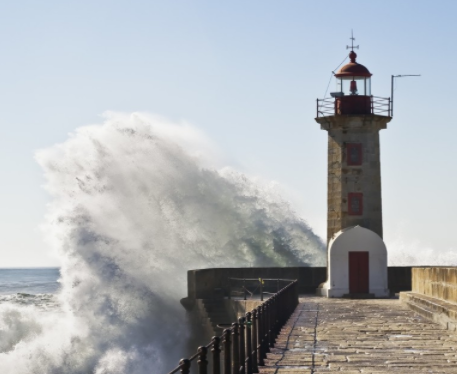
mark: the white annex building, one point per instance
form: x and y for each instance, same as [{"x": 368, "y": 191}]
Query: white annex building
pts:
[{"x": 357, "y": 264}]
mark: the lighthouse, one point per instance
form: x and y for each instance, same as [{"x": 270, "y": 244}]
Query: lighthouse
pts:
[{"x": 353, "y": 118}]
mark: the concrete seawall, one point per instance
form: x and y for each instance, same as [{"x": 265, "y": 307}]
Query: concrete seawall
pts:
[
  {"x": 206, "y": 314},
  {"x": 210, "y": 283},
  {"x": 207, "y": 304}
]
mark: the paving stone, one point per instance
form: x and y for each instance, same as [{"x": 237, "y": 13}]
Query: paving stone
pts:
[{"x": 360, "y": 336}]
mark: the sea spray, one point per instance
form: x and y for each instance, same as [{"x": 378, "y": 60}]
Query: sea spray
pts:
[
  {"x": 137, "y": 201},
  {"x": 415, "y": 253}
]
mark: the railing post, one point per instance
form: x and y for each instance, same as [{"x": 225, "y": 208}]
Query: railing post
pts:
[
  {"x": 216, "y": 355},
  {"x": 202, "y": 361},
  {"x": 288, "y": 299},
  {"x": 255, "y": 369},
  {"x": 261, "y": 289},
  {"x": 265, "y": 341},
  {"x": 235, "y": 349},
  {"x": 244, "y": 288},
  {"x": 248, "y": 344},
  {"x": 185, "y": 366},
  {"x": 260, "y": 332},
  {"x": 280, "y": 310},
  {"x": 272, "y": 321},
  {"x": 227, "y": 346},
  {"x": 278, "y": 314},
  {"x": 292, "y": 297},
  {"x": 229, "y": 289},
  {"x": 297, "y": 294},
  {"x": 241, "y": 322}
]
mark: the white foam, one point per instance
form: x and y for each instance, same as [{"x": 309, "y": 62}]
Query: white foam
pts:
[
  {"x": 136, "y": 203},
  {"x": 40, "y": 301}
]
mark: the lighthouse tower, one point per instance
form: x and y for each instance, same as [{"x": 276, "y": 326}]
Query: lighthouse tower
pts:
[{"x": 353, "y": 117}]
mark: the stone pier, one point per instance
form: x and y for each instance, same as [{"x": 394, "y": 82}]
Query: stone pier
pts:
[{"x": 361, "y": 336}]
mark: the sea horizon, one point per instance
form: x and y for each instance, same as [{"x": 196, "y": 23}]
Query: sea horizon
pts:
[{"x": 29, "y": 267}]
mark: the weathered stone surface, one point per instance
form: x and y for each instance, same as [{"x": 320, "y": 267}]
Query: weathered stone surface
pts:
[
  {"x": 437, "y": 282},
  {"x": 344, "y": 178},
  {"x": 433, "y": 308},
  {"x": 361, "y": 336}
]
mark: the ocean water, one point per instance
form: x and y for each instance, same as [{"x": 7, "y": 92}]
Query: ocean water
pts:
[
  {"x": 136, "y": 202},
  {"x": 36, "y": 287},
  {"x": 30, "y": 281}
]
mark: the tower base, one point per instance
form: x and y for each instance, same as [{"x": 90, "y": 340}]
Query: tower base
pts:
[
  {"x": 357, "y": 265},
  {"x": 329, "y": 292}
]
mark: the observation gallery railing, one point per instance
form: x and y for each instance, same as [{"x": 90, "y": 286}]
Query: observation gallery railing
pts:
[
  {"x": 242, "y": 348},
  {"x": 380, "y": 106}
]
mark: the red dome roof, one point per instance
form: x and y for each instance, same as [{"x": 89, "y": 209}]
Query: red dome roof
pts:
[{"x": 353, "y": 69}]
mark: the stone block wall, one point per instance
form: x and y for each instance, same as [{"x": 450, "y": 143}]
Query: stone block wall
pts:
[
  {"x": 344, "y": 179},
  {"x": 434, "y": 294},
  {"x": 437, "y": 282}
]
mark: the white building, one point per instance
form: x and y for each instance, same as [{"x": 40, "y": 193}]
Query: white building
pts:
[{"x": 357, "y": 265}]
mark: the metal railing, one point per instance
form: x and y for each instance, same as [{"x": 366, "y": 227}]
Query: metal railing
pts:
[
  {"x": 380, "y": 106},
  {"x": 253, "y": 286},
  {"x": 242, "y": 348},
  {"x": 325, "y": 107}
]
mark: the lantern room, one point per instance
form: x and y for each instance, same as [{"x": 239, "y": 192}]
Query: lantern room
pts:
[
  {"x": 353, "y": 94},
  {"x": 353, "y": 79}
]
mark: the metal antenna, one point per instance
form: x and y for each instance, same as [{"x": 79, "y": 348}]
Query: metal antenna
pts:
[
  {"x": 352, "y": 42},
  {"x": 392, "y": 89}
]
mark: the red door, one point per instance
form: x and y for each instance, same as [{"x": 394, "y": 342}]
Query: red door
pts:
[{"x": 358, "y": 272}]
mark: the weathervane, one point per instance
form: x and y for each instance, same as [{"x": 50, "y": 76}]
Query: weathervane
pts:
[{"x": 352, "y": 42}]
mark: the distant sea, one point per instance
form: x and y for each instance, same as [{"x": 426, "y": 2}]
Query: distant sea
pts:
[{"x": 32, "y": 286}]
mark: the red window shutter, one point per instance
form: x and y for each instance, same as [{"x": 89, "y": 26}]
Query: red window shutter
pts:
[
  {"x": 355, "y": 203},
  {"x": 354, "y": 154}
]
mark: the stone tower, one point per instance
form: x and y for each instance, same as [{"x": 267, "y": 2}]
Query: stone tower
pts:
[
  {"x": 353, "y": 118},
  {"x": 357, "y": 255}
]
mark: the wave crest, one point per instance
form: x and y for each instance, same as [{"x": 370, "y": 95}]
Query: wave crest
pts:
[{"x": 137, "y": 201}]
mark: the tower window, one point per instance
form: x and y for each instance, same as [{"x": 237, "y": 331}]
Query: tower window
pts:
[
  {"x": 355, "y": 204},
  {"x": 354, "y": 154}
]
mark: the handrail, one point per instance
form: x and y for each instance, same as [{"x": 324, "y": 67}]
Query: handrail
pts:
[
  {"x": 245, "y": 345},
  {"x": 265, "y": 279},
  {"x": 260, "y": 281},
  {"x": 380, "y": 106}
]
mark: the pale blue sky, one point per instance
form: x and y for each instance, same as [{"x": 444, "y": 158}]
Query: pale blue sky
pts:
[{"x": 247, "y": 73}]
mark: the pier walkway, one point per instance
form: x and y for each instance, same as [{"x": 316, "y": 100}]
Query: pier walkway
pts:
[{"x": 360, "y": 336}]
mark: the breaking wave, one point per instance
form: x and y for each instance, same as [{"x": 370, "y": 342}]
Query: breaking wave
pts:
[
  {"x": 137, "y": 201},
  {"x": 45, "y": 301}
]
